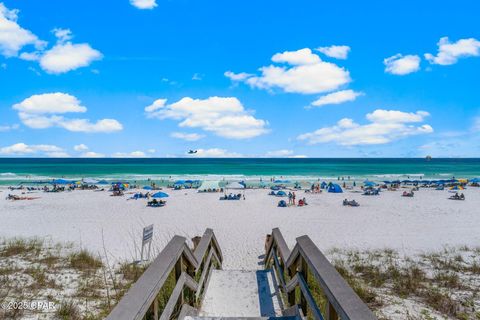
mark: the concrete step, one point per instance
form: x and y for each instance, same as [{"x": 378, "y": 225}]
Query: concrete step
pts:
[{"x": 241, "y": 294}]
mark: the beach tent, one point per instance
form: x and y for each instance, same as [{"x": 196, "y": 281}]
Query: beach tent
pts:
[
  {"x": 281, "y": 194},
  {"x": 160, "y": 195},
  {"x": 275, "y": 188},
  {"x": 387, "y": 182},
  {"x": 147, "y": 188},
  {"x": 369, "y": 183},
  {"x": 89, "y": 181},
  {"x": 475, "y": 180},
  {"x": 180, "y": 182},
  {"x": 235, "y": 186},
  {"x": 62, "y": 181},
  {"x": 209, "y": 185},
  {"x": 323, "y": 185},
  {"x": 457, "y": 188},
  {"x": 334, "y": 188}
]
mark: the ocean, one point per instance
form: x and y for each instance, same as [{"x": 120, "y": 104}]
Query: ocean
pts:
[{"x": 17, "y": 170}]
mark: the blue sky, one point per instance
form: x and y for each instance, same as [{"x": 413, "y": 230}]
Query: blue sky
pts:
[{"x": 157, "y": 78}]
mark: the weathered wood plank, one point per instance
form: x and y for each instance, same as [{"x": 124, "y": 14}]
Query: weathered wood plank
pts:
[
  {"x": 342, "y": 297},
  {"x": 139, "y": 298}
]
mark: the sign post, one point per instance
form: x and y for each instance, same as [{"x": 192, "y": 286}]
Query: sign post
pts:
[{"x": 147, "y": 238}]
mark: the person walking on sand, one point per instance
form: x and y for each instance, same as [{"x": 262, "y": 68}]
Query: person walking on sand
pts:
[
  {"x": 289, "y": 198},
  {"x": 293, "y": 198}
]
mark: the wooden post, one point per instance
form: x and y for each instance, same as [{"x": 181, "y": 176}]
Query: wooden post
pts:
[
  {"x": 178, "y": 273},
  {"x": 267, "y": 241},
  {"x": 196, "y": 241},
  {"x": 331, "y": 312},
  {"x": 155, "y": 309},
  {"x": 302, "y": 269},
  {"x": 291, "y": 295}
]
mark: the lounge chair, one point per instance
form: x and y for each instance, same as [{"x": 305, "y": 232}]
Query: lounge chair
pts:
[
  {"x": 351, "y": 203},
  {"x": 456, "y": 196},
  {"x": 154, "y": 203}
]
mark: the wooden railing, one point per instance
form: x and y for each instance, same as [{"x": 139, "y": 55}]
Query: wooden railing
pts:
[
  {"x": 293, "y": 270},
  {"x": 190, "y": 270}
]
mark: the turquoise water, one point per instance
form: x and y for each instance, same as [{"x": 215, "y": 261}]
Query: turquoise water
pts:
[{"x": 28, "y": 169}]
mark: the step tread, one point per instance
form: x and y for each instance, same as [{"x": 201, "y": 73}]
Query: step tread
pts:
[{"x": 241, "y": 294}]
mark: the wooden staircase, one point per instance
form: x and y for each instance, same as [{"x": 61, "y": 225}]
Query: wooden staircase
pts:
[{"x": 288, "y": 288}]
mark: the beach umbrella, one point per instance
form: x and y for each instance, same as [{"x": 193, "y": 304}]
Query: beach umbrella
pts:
[
  {"x": 457, "y": 188},
  {"x": 180, "y": 182},
  {"x": 475, "y": 180},
  {"x": 234, "y": 185},
  {"x": 160, "y": 195},
  {"x": 369, "y": 183},
  {"x": 62, "y": 181},
  {"x": 147, "y": 188}
]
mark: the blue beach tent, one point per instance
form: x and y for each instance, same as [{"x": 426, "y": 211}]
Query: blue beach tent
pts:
[
  {"x": 323, "y": 185},
  {"x": 334, "y": 188},
  {"x": 62, "y": 181}
]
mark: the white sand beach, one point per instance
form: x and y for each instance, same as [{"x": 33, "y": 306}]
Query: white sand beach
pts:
[{"x": 95, "y": 220}]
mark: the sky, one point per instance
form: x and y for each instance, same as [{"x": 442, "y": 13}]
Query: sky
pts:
[{"x": 157, "y": 78}]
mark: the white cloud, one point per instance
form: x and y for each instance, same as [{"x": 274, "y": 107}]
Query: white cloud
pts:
[
  {"x": 80, "y": 147},
  {"x": 476, "y": 125},
  {"x": 64, "y": 57},
  {"x": 12, "y": 36},
  {"x": 304, "y": 73},
  {"x": 134, "y": 154},
  {"x": 337, "y": 98},
  {"x": 144, "y": 4},
  {"x": 449, "y": 53},
  {"x": 338, "y": 52},
  {"x": 5, "y": 128},
  {"x": 279, "y": 153},
  {"x": 63, "y": 35},
  {"x": 187, "y": 136},
  {"x": 50, "y": 103},
  {"x": 91, "y": 154},
  {"x": 385, "y": 126},
  {"x": 402, "y": 65},
  {"x": 215, "y": 153},
  {"x": 21, "y": 148},
  {"x": 224, "y": 116},
  {"x": 297, "y": 58},
  {"x": 44, "y": 111},
  {"x": 237, "y": 76},
  {"x": 197, "y": 77}
]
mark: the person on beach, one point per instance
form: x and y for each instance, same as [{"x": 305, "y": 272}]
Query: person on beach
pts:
[{"x": 293, "y": 198}]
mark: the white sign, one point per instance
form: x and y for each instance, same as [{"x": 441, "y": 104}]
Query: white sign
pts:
[{"x": 147, "y": 238}]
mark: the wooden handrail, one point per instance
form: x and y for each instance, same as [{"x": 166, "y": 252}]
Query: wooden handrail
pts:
[
  {"x": 139, "y": 299},
  {"x": 343, "y": 302}
]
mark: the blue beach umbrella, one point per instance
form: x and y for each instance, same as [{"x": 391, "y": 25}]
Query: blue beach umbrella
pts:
[{"x": 160, "y": 195}]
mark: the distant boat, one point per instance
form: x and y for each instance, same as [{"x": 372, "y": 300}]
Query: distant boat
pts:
[
  {"x": 192, "y": 151},
  {"x": 428, "y": 158}
]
